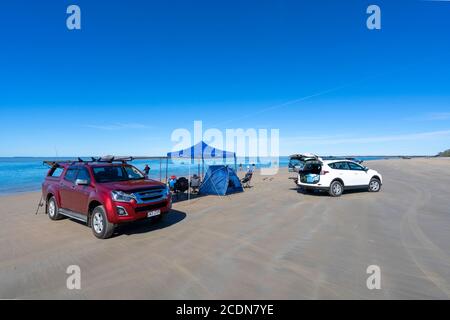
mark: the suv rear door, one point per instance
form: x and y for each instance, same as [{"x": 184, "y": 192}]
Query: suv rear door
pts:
[
  {"x": 342, "y": 171},
  {"x": 297, "y": 161}
]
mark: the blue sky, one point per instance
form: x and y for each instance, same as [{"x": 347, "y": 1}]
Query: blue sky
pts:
[{"x": 140, "y": 69}]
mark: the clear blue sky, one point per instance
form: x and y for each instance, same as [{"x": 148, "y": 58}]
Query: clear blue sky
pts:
[{"x": 140, "y": 69}]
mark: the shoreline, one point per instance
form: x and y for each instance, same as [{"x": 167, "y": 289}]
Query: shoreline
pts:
[
  {"x": 156, "y": 173},
  {"x": 19, "y": 193},
  {"x": 38, "y": 188}
]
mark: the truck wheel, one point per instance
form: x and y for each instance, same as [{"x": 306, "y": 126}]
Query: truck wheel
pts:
[
  {"x": 101, "y": 227},
  {"x": 374, "y": 185},
  {"x": 53, "y": 210},
  {"x": 336, "y": 189}
]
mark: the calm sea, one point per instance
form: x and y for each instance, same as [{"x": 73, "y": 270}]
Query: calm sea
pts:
[{"x": 26, "y": 174}]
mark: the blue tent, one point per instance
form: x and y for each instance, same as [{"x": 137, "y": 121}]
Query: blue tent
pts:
[
  {"x": 220, "y": 180},
  {"x": 202, "y": 151}
]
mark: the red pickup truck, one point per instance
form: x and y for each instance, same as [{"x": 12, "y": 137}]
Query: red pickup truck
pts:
[{"x": 103, "y": 194}]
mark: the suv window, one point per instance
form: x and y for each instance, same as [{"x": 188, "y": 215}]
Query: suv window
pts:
[
  {"x": 83, "y": 174},
  {"x": 71, "y": 174},
  {"x": 295, "y": 162},
  {"x": 339, "y": 165},
  {"x": 354, "y": 166}
]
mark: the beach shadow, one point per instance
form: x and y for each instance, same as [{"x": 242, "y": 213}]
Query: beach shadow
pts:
[
  {"x": 314, "y": 193},
  {"x": 180, "y": 197},
  {"x": 323, "y": 193},
  {"x": 149, "y": 225}
]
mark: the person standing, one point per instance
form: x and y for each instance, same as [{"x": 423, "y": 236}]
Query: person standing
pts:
[{"x": 147, "y": 170}]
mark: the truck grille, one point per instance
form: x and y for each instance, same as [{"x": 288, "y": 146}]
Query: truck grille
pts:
[{"x": 151, "y": 195}]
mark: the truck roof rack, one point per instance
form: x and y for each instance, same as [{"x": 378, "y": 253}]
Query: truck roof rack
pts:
[{"x": 105, "y": 159}]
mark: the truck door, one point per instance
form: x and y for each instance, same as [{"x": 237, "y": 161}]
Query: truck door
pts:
[
  {"x": 67, "y": 187},
  {"x": 81, "y": 192}
]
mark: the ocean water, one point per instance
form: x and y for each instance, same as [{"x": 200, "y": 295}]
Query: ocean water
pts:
[{"x": 27, "y": 174}]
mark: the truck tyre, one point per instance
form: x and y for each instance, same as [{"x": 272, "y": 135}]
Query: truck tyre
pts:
[
  {"x": 100, "y": 225},
  {"x": 53, "y": 210},
  {"x": 374, "y": 185},
  {"x": 336, "y": 189}
]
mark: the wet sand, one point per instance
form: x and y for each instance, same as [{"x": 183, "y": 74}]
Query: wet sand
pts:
[{"x": 271, "y": 242}]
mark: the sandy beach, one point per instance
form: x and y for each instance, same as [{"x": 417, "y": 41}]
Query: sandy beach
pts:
[{"x": 270, "y": 242}]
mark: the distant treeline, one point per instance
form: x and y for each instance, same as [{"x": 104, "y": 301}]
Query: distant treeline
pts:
[{"x": 445, "y": 153}]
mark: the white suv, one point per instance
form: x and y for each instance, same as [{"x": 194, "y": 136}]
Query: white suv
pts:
[{"x": 335, "y": 176}]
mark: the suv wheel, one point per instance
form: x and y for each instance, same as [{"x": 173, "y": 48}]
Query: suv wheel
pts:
[
  {"x": 374, "y": 185},
  {"x": 52, "y": 209},
  {"x": 101, "y": 227},
  {"x": 336, "y": 189}
]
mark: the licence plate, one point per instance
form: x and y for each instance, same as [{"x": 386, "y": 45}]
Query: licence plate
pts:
[{"x": 153, "y": 213}]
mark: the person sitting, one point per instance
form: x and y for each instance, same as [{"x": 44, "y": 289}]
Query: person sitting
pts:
[
  {"x": 172, "y": 181},
  {"x": 195, "y": 183}
]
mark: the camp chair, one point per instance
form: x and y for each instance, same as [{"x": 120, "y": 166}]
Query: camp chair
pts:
[
  {"x": 181, "y": 186},
  {"x": 247, "y": 179},
  {"x": 195, "y": 183}
]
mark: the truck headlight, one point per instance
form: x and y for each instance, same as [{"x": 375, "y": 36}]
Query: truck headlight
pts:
[{"x": 121, "y": 196}]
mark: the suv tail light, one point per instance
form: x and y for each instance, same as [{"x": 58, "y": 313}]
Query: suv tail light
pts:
[{"x": 324, "y": 172}]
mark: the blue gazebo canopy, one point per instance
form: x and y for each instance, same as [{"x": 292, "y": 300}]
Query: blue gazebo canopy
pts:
[{"x": 202, "y": 151}]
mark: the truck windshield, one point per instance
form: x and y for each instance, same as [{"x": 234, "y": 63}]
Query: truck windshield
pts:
[{"x": 117, "y": 173}]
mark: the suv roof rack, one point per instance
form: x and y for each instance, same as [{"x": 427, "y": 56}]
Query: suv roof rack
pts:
[{"x": 343, "y": 158}]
